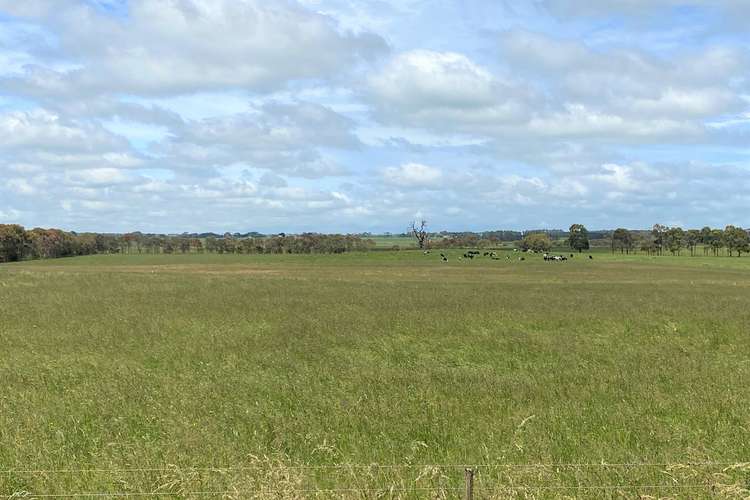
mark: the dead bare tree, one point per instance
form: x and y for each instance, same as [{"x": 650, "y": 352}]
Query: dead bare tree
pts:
[{"x": 420, "y": 232}]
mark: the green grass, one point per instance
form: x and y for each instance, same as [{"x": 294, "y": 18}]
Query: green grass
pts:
[
  {"x": 391, "y": 241},
  {"x": 267, "y": 362}
]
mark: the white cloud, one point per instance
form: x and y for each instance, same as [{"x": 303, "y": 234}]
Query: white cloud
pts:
[
  {"x": 182, "y": 46},
  {"x": 578, "y": 120},
  {"x": 563, "y": 90},
  {"x": 99, "y": 177},
  {"x": 20, "y": 186},
  {"x": 444, "y": 90},
  {"x": 9, "y": 215},
  {"x": 41, "y": 130},
  {"x": 281, "y": 137},
  {"x": 413, "y": 175},
  {"x": 631, "y": 84},
  {"x": 567, "y": 8},
  {"x": 27, "y": 8}
]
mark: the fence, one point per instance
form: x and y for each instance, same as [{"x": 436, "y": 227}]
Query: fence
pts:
[{"x": 479, "y": 481}]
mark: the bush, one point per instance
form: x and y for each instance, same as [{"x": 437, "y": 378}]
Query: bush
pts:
[{"x": 537, "y": 242}]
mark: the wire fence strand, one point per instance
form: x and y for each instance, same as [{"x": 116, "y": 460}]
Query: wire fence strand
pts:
[
  {"x": 487, "y": 488},
  {"x": 375, "y": 466},
  {"x": 360, "y": 490}
]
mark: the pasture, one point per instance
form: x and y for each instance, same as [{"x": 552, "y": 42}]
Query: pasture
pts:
[
  {"x": 261, "y": 376},
  {"x": 394, "y": 241}
]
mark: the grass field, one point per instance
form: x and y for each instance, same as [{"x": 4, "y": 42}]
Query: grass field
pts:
[
  {"x": 391, "y": 241},
  {"x": 258, "y": 365}
]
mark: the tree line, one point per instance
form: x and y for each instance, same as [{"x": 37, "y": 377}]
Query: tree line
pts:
[
  {"x": 662, "y": 239},
  {"x": 659, "y": 240},
  {"x": 17, "y": 243}
]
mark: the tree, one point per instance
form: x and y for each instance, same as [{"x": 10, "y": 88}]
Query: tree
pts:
[
  {"x": 658, "y": 232},
  {"x": 692, "y": 238},
  {"x": 537, "y": 242},
  {"x": 184, "y": 245},
  {"x": 13, "y": 242},
  {"x": 211, "y": 244},
  {"x": 622, "y": 239},
  {"x": 420, "y": 232},
  {"x": 706, "y": 239},
  {"x": 648, "y": 246},
  {"x": 50, "y": 243},
  {"x": 579, "y": 237},
  {"x": 196, "y": 244},
  {"x": 674, "y": 239},
  {"x": 716, "y": 240},
  {"x": 737, "y": 240}
]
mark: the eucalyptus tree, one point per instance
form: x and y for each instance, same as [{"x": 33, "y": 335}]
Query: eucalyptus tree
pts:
[
  {"x": 674, "y": 239},
  {"x": 647, "y": 245},
  {"x": 211, "y": 244},
  {"x": 579, "y": 237},
  {"x": 658, "y": 233},
  {"x": 716, "y": 242},
  {"x": 184, "y": 245},
  {"x": 736, "y": 240},
  {"x": 622, "y": 239},
  {"x": 692, "y": 238},
  {"x": 706, "y": 239},
  {"x": 13, "y": 242},
  {"x": 419, "y": 230},
  {"x": 537, "y": 242}
]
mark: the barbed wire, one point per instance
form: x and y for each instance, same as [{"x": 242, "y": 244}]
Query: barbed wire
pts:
[
  {"x": 328, "y": 467},
  {"x": 375, "y": 466},
  {"x": 25, "y": 494}
]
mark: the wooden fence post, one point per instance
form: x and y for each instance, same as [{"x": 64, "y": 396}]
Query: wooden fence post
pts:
[{"x": 469, "y": 477}]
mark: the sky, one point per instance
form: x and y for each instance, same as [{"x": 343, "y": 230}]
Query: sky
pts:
[{"x": 351, "y": 116}]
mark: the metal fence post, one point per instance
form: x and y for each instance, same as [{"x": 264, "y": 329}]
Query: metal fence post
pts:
[{"x": 469, "y": 477}]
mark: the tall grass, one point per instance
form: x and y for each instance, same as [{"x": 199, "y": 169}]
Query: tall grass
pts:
[{"x": 286, "y": 374}]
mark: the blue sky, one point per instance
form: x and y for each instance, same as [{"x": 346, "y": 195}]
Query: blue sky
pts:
[{"x": 348, "y": 116}]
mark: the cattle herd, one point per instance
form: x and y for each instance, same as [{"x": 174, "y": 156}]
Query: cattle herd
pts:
[{"x": 471, "y": 254}]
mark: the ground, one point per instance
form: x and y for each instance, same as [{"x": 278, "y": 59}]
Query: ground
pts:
[{"x": 136, "y": 373}]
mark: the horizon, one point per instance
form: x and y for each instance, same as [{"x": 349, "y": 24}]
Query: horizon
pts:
[
  {"x": 335, "y": 116},
  {"x": 370, "y": 233}
]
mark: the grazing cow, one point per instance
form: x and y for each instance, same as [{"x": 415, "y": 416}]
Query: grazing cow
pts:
[
  {"x": 445, "y": 259},
  {"x": 571, "y": 256},
  {"x": 522, "y": 258},
  {"x": 427, "y": 252},
  {"x": 591, "y": 257}
]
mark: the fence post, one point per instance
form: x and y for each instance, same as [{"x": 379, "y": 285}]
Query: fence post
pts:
[{"x": 469, "y": 477}]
